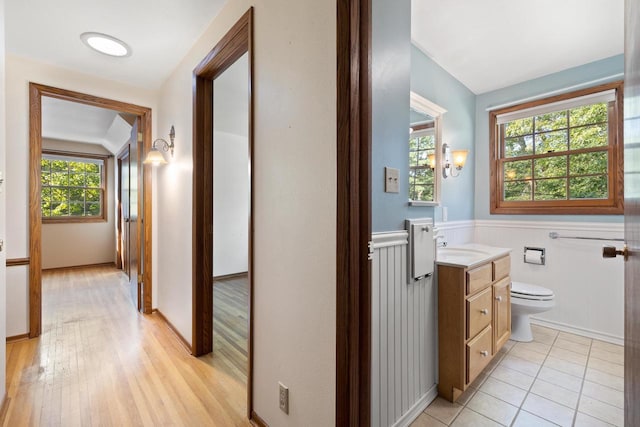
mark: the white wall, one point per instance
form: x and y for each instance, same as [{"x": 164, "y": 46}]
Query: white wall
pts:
[
  {"x": 295, "y": 203},
  {"x": 73, "y": 244},
  {"x": 19, "y": 72},
  {"x": 589, "y": 290},
  {"x": 231, "y": 204},
  {"x": 3, "y": 279}
]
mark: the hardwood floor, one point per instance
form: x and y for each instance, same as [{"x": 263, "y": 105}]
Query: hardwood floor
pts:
[
  {"x": 230, "y": 327},
  {"x": 99, "y": 362}
]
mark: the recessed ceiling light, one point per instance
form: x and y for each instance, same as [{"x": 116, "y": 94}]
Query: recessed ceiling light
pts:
[{"x": 106, "y": 44}]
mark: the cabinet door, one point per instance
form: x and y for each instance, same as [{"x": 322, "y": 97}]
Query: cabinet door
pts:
[{"x": 501, "y": 313}]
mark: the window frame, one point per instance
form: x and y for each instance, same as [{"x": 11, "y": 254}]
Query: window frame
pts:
[
  {"x": 613, "y": 205},
  {"x": 103, "y": 217},
  {"x": 419, "y": 131}
]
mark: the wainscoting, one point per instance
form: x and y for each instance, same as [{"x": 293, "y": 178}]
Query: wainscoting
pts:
[{"x": 404, "y": 347}]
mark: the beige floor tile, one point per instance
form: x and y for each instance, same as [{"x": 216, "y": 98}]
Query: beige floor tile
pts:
[
  {"x": 603, "y": 394},
  {"x": 425, "y": 420},
  {"x": 609, "y": 356},
  {"x": 525, "y": 419},
  {"x": 569, "y": 356},
  {"x": 503, "y": 391},
  {"x": 605, "y": 379},
  {"x": 443, "y": 410},
  {"x": 564, "y": 366},
  {"x": 527, "y": 354},
  {"x": 548, "y": 410},
  {"x": 544, "y": 338},
  {"x": 493, "y": 408},
  {"x": 607, "y": 367},
  {"x": 575, "y": 338},
  {"x": 573, "y": 346},
  {"x": 466, "y": 396},
  {"x": 468, "y": 418},
  {"x": 560, "y": 379},
  {"x": 584, "y": 420},
  {"x": 613, "y": 348},
  {"x": 509, "y": 344},
  {"x": 543, "y": 330},
  {"x": 479, "y": 380},
  {"x": 521, "y": 365},
  {"x": 512, "y": 377},
  {"x": 534, "y": 346},
  {"x": 601, "y": 410},
  {"x": 555, "y": 393}
]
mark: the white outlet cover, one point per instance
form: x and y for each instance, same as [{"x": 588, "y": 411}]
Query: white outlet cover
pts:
[{"x": 391, "y": 180}]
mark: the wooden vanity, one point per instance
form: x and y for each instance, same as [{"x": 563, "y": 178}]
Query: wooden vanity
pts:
[{"x": 474, "y": 315}]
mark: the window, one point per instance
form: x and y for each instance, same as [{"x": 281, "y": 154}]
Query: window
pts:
[
  {"x": 560, "y": 155},
  {"x": 72, "y": 187},
  {"x": 422, "y": 148}
]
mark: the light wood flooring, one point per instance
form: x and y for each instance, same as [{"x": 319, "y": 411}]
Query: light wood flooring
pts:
[{"x": 98, "y": 362}]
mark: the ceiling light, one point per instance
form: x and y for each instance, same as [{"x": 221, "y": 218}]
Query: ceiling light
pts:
[{"x": 106, "y": 44}]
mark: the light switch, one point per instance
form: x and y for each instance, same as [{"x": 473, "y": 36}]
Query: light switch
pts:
[{"x": 391, "y": 180}]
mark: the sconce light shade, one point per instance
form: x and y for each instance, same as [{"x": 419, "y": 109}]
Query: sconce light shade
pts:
[
  {"x": 459, "y": 158},
  {"x": 154, "y": 156},
  {"x": 431, "y": 159}
]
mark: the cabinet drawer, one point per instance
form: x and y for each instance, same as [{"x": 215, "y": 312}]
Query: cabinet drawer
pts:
[
  {"x": 501, "y": 268},
  {"x": 479, "y": 278},
  {"x": 478, "y": 354},
  {"x": 479, "y": 310}
]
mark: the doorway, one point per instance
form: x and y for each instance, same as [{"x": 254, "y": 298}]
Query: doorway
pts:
[{"x": 37, "y": 92}]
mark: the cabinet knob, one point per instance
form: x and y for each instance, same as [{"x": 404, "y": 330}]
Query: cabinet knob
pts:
[
  {"x": 499, "y": 298},
  {"x": 484, "y": 311},
  {"x": 484, "y": 353}
]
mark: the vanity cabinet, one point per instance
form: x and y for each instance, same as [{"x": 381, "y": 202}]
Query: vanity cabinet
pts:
[{"x": 474, "y": 321}]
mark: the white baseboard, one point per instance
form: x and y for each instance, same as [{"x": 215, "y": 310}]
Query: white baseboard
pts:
[
  {"x": 415, "y": 411},
  {"x": 578, "y": 331}
]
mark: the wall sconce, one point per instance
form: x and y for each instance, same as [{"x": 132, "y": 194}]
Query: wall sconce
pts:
[
  {"x": 154, "y": 156},
  {"x": 453, "y": 159}
]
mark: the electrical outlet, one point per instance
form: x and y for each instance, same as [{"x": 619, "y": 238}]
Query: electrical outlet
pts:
[
  {"x": 284, "y": 398},
  {"x": 391, "y": 180}
]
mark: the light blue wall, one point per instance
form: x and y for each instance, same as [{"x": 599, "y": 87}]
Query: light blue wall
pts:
[
  {"x": 602, "y": 69},
  {"x": 390, "y": 63},
  {"x": 432, "y": 82}
]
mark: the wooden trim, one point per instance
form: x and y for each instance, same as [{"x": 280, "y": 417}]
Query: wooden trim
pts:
[
  {"x": 5, "y": 406},
  {"x": 353, "y": 270},
  {"x": 13, "y": 262},
  {"x": 36, "y": 92},
  {"x": 75, "y": 267},
  {"x": 423, "y": 126},
  {"x": 613, "y": 205},
  {"x": 257, "y": 421},
  {"x": 235, "y": 43},
  {"x": 182, "y": 340},
  {"x": 231, "y": 276},
  {"x": 20, "y": 337}
]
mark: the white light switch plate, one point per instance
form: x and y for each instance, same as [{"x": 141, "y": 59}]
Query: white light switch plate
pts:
[{"x": 391, "y": 180}]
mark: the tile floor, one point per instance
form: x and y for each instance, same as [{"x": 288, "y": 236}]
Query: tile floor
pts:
[{"x": 558, "y": 379}]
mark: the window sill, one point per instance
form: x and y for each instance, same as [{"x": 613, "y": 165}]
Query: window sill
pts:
[
  {"x": 422, "y": 203},
  {"x": 72, "y": 220}
]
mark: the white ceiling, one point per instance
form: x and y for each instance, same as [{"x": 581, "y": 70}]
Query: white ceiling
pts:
[
  {"x": 159, "y": 32},
  {"x": 72, "y": 121},
  {"x": 492, "y": 44}
]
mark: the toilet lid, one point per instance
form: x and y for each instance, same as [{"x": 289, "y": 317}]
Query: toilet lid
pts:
[{"x": 527, "y": 289}]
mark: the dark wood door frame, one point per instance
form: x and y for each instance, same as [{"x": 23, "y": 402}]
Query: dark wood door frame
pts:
[
  {"x": 36, "y": 92},
  {"x": 353, "y": 281},
  {"x": 237, "y": 42}
]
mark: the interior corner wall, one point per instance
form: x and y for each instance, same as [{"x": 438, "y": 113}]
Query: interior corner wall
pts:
[
  {"x": 390, "y": 64},
  {"x": 19, "y": 72},
  {"x": 294, "y": 168},
  {"x": 3, "y": 271},
  {"x": 81, "y": 243},
  {"x": 602, "y": 71},
  {"x": 432, "y": 82}
]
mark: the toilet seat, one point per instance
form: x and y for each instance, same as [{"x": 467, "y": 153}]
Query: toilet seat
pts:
[{"x": 530, "y": 292}]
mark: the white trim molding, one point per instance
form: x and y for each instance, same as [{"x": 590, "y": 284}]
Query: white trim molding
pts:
[
  {"x": 389, "y": 238},
  {"x": 559, "y": 326},
  {"x": 615, "y": 227}
]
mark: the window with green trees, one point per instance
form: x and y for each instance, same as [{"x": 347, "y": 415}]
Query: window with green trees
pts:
[
  {"x": 422, "y": 146},
  {"x": 72, "y": 187},
  {"x": 559, "y": 155}
]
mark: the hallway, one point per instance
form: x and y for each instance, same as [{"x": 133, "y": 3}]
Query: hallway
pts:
[{"x": 98, "y": 362}]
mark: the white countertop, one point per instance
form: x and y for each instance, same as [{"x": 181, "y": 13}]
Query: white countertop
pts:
[{"x": 468, "y": 254}]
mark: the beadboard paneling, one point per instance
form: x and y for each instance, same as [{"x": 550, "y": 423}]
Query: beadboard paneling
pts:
[{"x": 404, "y": 328}]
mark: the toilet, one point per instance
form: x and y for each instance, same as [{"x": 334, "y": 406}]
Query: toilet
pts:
[{"x": 527, "y": 299}]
